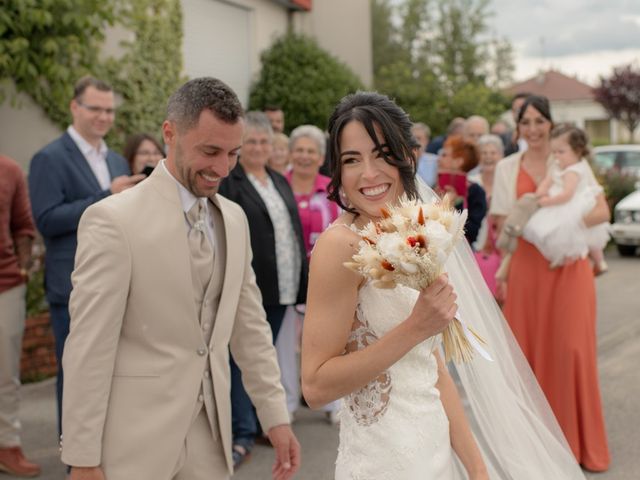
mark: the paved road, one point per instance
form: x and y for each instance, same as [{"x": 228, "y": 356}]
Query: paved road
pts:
[{"x": 619, "y": 356}]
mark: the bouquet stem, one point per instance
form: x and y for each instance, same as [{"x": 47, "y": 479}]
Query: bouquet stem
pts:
[{"x": 456, "y": 344}]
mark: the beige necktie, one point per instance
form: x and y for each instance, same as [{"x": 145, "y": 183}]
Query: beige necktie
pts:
[{"x": 201, "y": 251}]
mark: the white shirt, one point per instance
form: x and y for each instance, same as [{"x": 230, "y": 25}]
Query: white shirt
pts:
[
  {"x": 97, "y": 159},
  {"x": 288, "y": 261},
  {"x": 188, "y": 199}
]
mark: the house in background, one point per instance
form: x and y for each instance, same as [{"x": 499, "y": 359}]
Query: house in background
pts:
[
  {"x": 223, "y": 39},
  {"x": 573, "y": 101}
]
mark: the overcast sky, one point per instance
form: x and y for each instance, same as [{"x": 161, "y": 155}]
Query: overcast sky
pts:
[{"x": 586, "y": 38}]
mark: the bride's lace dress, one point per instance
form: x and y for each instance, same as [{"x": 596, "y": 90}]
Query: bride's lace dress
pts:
[{"x": 395, "y": 428}]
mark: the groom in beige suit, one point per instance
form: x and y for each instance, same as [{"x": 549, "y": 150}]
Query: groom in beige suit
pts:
[{"x": 153, "y": 317}]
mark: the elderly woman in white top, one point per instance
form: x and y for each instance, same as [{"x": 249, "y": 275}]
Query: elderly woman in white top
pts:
[
  {"x": 491, "y": 151},
  {"x": 279, "y": 256},
  {"x": 317, "y": 212}
]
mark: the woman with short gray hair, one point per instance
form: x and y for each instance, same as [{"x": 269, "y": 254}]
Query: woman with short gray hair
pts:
[
  {"x": 307, "y": 146},
  {"x": 312, "y": 132},
  {"x": 491, "y": 151},
  {"x": 279, "y": 256}
]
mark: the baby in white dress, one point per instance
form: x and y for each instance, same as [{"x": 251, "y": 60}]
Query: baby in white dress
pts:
[{"x": 566, "y": 195}]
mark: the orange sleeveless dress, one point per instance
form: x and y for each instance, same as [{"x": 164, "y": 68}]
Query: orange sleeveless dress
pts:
[{"x": 553, "y": 316}]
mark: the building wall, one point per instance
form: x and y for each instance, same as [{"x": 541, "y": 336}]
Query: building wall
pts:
[
  {"x": 577, "y": 111},
  {"x": 222, "y": 38},
  {"x": 586, "y": 112},
  {"x": 25, "y": 127},
  {"x": 344, "y": 29}
]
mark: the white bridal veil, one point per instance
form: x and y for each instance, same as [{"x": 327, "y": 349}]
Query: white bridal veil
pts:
[{"x": 516, "y": 430}]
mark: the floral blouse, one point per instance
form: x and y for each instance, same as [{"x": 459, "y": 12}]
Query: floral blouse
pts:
[{"x": 288, "y": 261}]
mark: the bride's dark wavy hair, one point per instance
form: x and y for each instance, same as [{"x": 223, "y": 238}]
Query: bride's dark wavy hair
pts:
[{"x": 371, "y": 108}]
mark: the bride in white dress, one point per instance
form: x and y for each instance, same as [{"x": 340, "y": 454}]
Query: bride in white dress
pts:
[{"x": 402, "y": 417}]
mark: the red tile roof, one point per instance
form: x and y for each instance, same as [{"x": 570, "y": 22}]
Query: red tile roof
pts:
[{"x": 555, "y": 86}]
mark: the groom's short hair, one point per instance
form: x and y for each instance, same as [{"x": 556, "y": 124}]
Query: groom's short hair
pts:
[{"x": 205, "y": 93}]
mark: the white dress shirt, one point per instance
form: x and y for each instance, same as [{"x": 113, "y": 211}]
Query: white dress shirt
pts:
[
  {"x": 96, "y": 158},
  {"x": 187, "y": 199}
]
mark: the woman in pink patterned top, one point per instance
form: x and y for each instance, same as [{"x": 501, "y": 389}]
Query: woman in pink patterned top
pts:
[{"x": 307, "y": 147}]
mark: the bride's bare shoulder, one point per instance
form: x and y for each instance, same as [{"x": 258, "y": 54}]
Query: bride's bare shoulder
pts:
[
  {"x": 338, "y": 238},
  {"x": 334, "y": 247},
  {"x": 339, "y": 233}
]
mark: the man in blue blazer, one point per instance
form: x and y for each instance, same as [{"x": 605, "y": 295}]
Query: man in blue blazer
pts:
[{"x": 65, "y": 177}]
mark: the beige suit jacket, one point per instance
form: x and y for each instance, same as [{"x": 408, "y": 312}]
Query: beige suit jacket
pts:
[{"x": 135, "y": 355}]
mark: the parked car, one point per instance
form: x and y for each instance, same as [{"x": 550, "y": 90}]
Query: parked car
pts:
[
  {"x": 624, "y": 159},
  {"x": 626, "y": 227}
]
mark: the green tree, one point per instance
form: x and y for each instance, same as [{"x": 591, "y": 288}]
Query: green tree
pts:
[
  {"x": 500, "y": 68},
  {"x": 45, "y": 45},
  {"x": 437, "y": 60},
  {"x": 384, "y": 36},
  {"x": 458, "y": 55},
  {"x": 303, "y": 79}
]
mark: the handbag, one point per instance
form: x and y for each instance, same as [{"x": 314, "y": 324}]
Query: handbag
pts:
[
  {"x": 489, "y": 262},
  {"x": 489, "y": 258}
]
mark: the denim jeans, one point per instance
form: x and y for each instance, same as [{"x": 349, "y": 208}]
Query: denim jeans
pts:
[{"x": 244, "y": 422}]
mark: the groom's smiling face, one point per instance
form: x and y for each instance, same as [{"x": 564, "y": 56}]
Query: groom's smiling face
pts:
[{"x": 202, "y": 156}]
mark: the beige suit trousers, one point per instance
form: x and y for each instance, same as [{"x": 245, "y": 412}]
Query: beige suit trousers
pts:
[
  {"x": 202, "y": 456},
  {"x": 12, "y": 313}
]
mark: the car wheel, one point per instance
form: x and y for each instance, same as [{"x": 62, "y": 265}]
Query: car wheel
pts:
[{"x": 627, "y": 250}]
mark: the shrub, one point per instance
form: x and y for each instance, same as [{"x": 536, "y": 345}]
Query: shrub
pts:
[
  {"x": 303, "y": 79},
  {"x": 617, "y": 186}
]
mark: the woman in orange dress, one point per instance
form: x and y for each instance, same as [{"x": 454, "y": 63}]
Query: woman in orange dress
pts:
[{"x": 552, "y": 312}]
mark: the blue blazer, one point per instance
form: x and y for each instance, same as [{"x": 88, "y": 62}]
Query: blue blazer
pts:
[{"x": 61, "y": 186}]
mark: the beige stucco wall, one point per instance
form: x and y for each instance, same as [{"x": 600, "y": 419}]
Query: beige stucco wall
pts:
[
  {"x": 577, "y": 111},
  {"x": 224, "y": 38},
  {"x": 344, "y": 29},
  {"x": 25, "y": 128}
]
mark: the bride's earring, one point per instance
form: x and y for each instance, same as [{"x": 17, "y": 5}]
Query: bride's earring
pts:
[{"x": 344, "y": 199}]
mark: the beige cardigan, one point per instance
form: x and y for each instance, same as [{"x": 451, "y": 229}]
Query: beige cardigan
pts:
[{"x": 506, "y": 178}]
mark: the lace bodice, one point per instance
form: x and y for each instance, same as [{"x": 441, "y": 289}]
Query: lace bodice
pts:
[{"x": 395, "y": 427}]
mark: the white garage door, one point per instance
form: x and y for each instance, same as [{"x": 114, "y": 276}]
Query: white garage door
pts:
[{"x": 217, "y": 43}]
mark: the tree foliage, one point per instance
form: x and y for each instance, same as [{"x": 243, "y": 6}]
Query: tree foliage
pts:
[
  {"x": 437, "y": 59},
  {"x": 303, "y": 79},
  {"x": 46, "y": 45},
  {"x": 620, "y": 96}
]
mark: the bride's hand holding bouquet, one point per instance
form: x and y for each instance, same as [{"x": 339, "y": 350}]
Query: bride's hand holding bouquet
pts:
[{"x": 434, "y": 309}]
